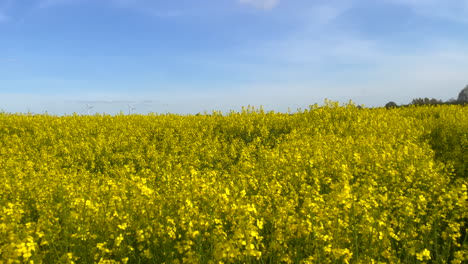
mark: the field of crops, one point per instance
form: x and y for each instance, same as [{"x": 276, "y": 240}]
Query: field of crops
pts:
[{"x": 330, "y": 184}]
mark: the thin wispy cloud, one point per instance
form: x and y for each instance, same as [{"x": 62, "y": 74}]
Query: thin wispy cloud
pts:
[
  {"x": 326, "y": 13},
  {"x": 166, "y": 13},
  {"x": 262, "y": 4},
  {"x": 453, "y": 10}
]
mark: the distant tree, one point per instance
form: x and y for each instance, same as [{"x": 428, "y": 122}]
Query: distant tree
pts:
[
  {"x": 417, "y": 101},
  {"x": 463, "y": 95},
  {"x": 434, "y": 101},
  {"x": 391, "y": 104},
  {"x": 426, "y": 101}
]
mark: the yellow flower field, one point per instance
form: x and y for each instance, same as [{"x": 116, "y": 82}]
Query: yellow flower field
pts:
[{"x": 330, "y": 184}]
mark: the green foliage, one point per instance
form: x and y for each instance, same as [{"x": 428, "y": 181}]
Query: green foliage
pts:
[{"x": 425, "y": 101}]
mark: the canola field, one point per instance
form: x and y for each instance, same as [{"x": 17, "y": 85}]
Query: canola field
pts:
[{"x": 330, "y": 184}]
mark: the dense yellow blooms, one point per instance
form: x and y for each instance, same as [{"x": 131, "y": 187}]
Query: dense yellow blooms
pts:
[{"x": 330, "y": 184}]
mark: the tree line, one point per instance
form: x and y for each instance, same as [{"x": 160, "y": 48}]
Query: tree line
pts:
[{"x": 461, "y": 100}]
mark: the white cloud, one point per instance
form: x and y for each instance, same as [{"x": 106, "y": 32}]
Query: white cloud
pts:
[
  {"x": 342, "y": 66},
  {"x": 328, "y": 13},
  {"x": 452, "y": 10},
  {"x": 262, "y": 4}
]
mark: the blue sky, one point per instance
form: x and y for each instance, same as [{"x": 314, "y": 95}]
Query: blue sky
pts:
[{"x": 189, "y": 56}]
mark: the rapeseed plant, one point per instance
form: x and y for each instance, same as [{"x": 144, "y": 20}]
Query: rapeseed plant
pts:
[{"x": 330, "y": 184}]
